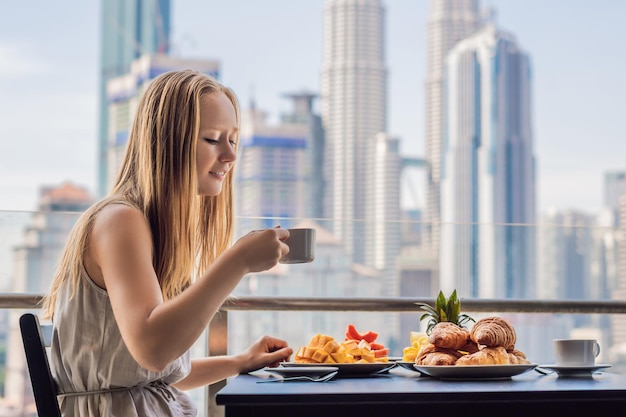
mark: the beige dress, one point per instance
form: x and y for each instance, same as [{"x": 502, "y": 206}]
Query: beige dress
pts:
[{"x": 96, "y": 374}]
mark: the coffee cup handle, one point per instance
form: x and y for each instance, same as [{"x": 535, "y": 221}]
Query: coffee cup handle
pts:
[{"x": 596, "y": 349}]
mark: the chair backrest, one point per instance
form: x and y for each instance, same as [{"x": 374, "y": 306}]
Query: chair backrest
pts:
[{"x": 44, "y": 387}]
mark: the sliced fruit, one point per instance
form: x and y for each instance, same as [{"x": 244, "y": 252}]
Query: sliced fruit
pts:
[
  {"x": 418, "y": 339},
  {"x": 356, "y": 348},
  {"x": 353, "y": 334}
]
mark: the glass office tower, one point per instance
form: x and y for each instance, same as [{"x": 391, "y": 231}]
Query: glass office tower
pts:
[
  {"x": 488, "y": 169},
  {"x": 130, "y": 29}
]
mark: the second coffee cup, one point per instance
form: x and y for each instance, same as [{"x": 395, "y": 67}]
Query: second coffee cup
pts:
[{"x": 576, "y": 352}]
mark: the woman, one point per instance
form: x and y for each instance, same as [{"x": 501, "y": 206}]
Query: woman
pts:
[{"x": 145, "y": 269}]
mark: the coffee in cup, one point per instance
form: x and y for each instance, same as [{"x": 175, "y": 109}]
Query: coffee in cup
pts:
[
  {"x": 576, "y": 352},
  {"x": 301, "y": 244}
]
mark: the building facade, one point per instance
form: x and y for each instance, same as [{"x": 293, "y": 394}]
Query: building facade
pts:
[
  {"x": 618, "y": 322},
  {"x": 449, "y": 21},
  {"x": 488, "y": 170},
  {"x": 129, "y": 29},
  {"x": 354, "y": 111},
  {"x": 563, "y": 264},
  {"x": 279, "y": 167},
  {"x": 383, "y": 234},
  {"x": 614, "y": 189}
]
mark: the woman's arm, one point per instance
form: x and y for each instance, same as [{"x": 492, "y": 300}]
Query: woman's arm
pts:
[
  {"x": 266, "y": 351},
  {"x": 119, "y": 259}
]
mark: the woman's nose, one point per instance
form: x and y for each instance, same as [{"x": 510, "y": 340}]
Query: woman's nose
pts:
[{"x": 229, "y": 154}]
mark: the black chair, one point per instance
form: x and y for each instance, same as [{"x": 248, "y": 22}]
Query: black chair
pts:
[{"x": 44, "y": 387}]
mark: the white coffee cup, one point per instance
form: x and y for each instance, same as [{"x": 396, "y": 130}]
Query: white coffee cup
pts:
[
  {"x": 301, "y": 244},
  {"x": 576, "y": 352}
]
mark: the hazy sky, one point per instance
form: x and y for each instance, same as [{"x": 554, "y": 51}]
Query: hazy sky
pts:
[{"x": 49, "y": 55}]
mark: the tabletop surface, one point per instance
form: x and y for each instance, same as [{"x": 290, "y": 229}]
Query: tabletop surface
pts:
[{"x": 410, "y": 387}]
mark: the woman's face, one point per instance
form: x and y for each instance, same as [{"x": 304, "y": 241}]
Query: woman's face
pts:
[{"x": 215, "y": 153}]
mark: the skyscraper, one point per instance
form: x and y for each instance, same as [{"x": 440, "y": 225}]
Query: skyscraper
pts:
[
  {"x": 563, "y": 267},
  {"x": 614, "y": 189},
  {"x": 488, "y": 169},
  {"x": 130, "y": 28},
  {"x": 278, "y": 171},
  {"x": 354, "y": 110},
  {"x": 382, "y": 239},
  {"x": 449, "y": 21},
  {"x": 618, "y": 324}
]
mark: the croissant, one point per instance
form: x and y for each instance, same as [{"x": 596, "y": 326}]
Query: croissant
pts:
[
  {"x": 433, "y": 355},
  {"x": 494, "y": 331},
  {"x": 449, "y": 335},
  {"x": 517, "y": 357},
  {"x": 470, "y": 347},
  {"x": 486, "y": 356}
]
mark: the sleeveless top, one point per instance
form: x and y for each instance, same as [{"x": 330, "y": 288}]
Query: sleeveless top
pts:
[{"x": 94, "y": 371}]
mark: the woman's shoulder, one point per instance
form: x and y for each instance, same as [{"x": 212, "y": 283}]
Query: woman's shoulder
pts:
[
  {"x": 120, "y": 207},
  {"x": 118, "y": 215}
]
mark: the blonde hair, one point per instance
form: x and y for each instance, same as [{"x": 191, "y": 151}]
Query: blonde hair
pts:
[{"x": 158, "y": 177}]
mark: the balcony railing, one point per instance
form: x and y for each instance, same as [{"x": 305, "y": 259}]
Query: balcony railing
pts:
[{"x": 403, "y": 304}]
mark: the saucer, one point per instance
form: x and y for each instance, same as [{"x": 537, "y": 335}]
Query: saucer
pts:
[{"x": 575, "y": 370}]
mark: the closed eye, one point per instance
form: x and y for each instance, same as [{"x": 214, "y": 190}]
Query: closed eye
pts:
[{"x": 233, "y": 143}]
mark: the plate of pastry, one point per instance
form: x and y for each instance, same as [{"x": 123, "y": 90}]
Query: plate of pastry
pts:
[{"x": 474, "y": 371}]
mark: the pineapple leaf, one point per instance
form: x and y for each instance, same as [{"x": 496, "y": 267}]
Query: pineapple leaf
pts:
[
  {"x": 444, "y": 310},
  {"x": 429, "y": 309},
  {"x": 430, "y": 327},
  {"x": 425, "y": 316},
  {"x": 456, "y": 311},
  {"x": 464, "y": 319},
  {"x": 442, "y": 315},
  {"x": 441, "y": 300}
]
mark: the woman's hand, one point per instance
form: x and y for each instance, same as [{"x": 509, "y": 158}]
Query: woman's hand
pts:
[
  {"x": 261, "y": 250},
  {"x": 266, "y": 351}
]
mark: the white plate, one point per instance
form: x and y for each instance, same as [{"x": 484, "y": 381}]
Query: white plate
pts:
[
  {"x": 474, "y": 371},
  {"x": 348, "y": 369},
  {"x": 575, "y": 370},
  {"x": 301, "y": 371}
]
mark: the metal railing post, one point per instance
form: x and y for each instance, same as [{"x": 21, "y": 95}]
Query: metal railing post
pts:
[{"x": 217, "y": 346}]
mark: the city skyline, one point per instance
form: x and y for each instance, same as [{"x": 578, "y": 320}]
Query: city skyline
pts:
[{"x": 577, "y": 68}]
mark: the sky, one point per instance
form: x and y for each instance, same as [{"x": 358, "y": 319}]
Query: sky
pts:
[{"x": 49, "y": 58}]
